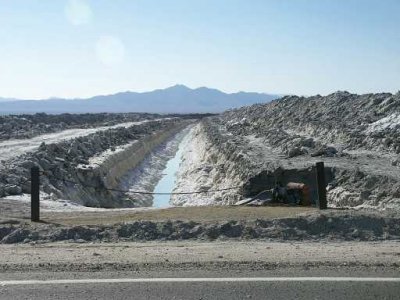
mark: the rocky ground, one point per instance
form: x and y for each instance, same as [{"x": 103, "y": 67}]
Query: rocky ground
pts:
[
  {"x": 28, "y": 126},
  {"x": 357, "y": 136}
]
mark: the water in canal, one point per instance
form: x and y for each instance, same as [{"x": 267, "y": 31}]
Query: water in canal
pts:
[{"x": 167, "y": 182}]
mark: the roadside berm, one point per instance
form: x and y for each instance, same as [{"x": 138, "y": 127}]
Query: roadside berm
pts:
[{"x": 204, "y": 223}]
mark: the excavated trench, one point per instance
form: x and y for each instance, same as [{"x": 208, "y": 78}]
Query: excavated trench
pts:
[
  {"x": 101, "y": 169},
  {"x": 156, "y": 164},
  {"x": 138, "y": 167},
  {"x": 110, "y": 168},
  {"x": 156, "y": 173},
  {"x": 169, "y": 174}
]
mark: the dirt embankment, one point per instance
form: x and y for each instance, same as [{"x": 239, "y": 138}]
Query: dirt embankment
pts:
[
  {"x": 212, "y": 161},
  {"x": 191, "y": 224},
  {"x": 357, "y": 136}
]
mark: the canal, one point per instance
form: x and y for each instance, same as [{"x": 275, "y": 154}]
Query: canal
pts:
[{"x": 167, "y": 182}]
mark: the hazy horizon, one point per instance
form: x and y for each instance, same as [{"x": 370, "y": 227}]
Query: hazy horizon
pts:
[
  {"x": 140, "y": 92},
  {"x": 186, "y": 86},
  {"x": 83, "y": 48}
]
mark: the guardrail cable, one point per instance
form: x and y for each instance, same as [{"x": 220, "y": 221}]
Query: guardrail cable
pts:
[{"x": 139, "y": 192}]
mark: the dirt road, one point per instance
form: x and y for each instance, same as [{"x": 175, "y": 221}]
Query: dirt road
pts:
[{"x": 188, "y": 254}]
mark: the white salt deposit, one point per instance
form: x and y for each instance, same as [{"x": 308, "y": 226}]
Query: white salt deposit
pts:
[
  {"x": 99, "y": 159},
  {"x": 390, "y": 122}
]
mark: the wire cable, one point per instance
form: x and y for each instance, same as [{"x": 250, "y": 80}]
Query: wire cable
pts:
[{"x": 143, "y": 192}]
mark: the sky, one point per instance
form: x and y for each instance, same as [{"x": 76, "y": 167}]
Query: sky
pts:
[{"x": 82, "y": 48}]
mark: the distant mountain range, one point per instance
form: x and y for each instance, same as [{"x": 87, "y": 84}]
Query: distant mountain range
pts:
[{"x": 175, "y": 99}]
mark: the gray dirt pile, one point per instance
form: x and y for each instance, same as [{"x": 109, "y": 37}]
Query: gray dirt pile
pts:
[
  {"x": 348, "y": 121},
  {"x": 357, "y": 136},
  {"x": 319, "y": 226}
]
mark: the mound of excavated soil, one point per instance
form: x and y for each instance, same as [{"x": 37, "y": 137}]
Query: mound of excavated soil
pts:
[
  {"x": 330, "y": 225},
  {"x": 357, "y": 136}
]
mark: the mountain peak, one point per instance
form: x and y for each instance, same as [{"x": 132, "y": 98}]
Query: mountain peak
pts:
[
  {"x": 175, "y": 99},
  {"x": 178, "y": 87}
]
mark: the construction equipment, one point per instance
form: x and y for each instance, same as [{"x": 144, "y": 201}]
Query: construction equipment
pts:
[{"x": 292, "y": 194}]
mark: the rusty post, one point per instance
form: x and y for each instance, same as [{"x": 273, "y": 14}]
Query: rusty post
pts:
[
  {"x": 320, "y": 172},
  {"x": 35, "y": 196}
]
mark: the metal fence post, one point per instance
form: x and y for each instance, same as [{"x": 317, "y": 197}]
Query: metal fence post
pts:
[
  {"x": 35, "y": 196},
  {"x": 320, "y": 172}
]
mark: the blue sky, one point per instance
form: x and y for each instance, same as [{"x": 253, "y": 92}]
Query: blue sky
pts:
[{"x": 76, "y": 48}]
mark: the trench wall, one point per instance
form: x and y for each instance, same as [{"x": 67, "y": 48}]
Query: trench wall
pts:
[
  {"x": 107, "y": 174},
  {"x": 222, "y": 161},
  {"x": 225, "y": 159}
]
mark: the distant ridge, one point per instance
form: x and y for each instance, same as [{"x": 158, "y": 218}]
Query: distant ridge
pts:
[{"x": 175, "y": 99}]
